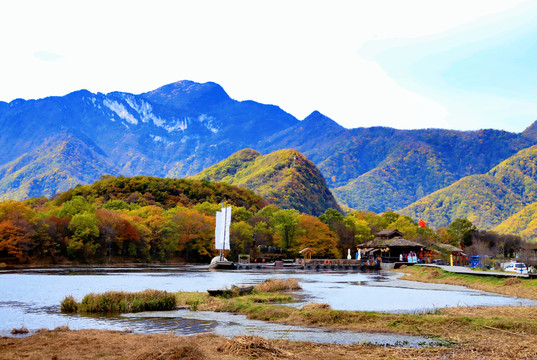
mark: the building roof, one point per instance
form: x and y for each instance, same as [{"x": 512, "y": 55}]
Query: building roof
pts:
[
  {"x": 395, "y": 242},
  {"x": 449, "y": 247},
  {"x": 389, "y": 233}
]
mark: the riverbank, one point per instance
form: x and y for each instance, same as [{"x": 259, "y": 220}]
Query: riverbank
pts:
[
  {"x": 500, "y": 340},
  {"x": 518, "y": 287}
]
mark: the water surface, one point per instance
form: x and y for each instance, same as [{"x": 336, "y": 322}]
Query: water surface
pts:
[{"x": 31, "y": 298}]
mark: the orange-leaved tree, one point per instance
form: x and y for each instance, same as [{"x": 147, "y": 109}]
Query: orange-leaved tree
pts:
[{"x": 314, "y": 234}]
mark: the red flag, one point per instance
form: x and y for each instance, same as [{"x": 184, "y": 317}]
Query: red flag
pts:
[{"x": 421, "y": 223}]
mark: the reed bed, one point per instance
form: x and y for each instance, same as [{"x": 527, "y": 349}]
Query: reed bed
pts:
[
  {"x": 275, "y": 285},
  {"x": 121, "y": 302}
]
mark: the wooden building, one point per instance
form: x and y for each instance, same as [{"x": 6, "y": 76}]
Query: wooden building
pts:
[
  {"x": 390, "y": 245},
  {"x": 458, "y": 255}
]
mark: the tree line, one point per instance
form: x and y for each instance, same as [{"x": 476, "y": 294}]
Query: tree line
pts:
[{"x": 146, "y": 219}]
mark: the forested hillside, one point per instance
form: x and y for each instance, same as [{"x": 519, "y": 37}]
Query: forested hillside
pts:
[
  {"x": 284, "y": 178},
  {"x": 487, "y": 200},
  {"x": 142, "y": 219},
  {"x": 378, "y": 169},
  {"x": 62, "y": 162}
]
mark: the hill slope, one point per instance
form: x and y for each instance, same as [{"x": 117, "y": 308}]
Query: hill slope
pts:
[
  {"x": 285, "y": 178},
  {"x": 380, "y": 169},
  {"x": 60, "y": 163},
  {"x": 522, "y": 223},
  {"x": 486, "y": 199}
]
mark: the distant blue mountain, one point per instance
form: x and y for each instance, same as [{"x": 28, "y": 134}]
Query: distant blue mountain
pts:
[{"x": 182, "y": 128}]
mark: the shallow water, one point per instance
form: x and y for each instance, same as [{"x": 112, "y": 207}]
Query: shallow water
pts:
[{"x": 31, "y": 298}]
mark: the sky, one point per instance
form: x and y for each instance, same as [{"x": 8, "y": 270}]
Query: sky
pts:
[{"x": 410, "y": 64}]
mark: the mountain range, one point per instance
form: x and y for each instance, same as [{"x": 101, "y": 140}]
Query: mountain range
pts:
[{"x": 183, "y": 128}]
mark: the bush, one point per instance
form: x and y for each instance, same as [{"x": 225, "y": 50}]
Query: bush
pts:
[
  {"x": 121, "y": 302},
  {"x": 69, "y": 305},
  {"x": 274, "y": 285}
]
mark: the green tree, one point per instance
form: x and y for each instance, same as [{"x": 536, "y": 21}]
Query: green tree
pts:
[
  {"x": 267, "y": 212},
  {"x": 241, "y": 239},
  {"x": 77, "y": 205},
  {"x": 330, "y": 217},
  {"x": 241, "y": 214},
  {"x": 85, "y": 231},
  {"x": 461, "y": 231},
  {"x": 208, "y": 208},
  {"x": 360, "y": 228},
  {"x": 263, "y": 234},
  {"x": 286, "y": 225},
  {"x": 118, "y": 205}
]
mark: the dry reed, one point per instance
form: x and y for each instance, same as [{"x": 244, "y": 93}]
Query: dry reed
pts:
[
  {"x": 252, "y": 346},
  {"x": 316, "y": 306},
  {"x": 20, "y": 331},
  {"x": 275, "y": 285}
]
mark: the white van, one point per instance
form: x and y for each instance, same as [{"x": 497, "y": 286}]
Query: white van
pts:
[{"x": 520, "y": 268}]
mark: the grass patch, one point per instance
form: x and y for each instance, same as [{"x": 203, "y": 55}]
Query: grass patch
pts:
[
  {"x": 121, "y": 302},
  {"x": 275, "y": 285},
  {"x": 515, "y": 286}
]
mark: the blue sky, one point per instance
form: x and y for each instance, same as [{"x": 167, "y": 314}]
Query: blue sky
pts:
[{"x": 405, "y": 64}]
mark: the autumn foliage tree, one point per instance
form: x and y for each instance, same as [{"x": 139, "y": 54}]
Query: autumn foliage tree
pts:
[{"x": 314, "y": 234}]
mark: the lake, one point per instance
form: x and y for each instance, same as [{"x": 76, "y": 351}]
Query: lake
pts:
[{"x": 32, "y": 297}]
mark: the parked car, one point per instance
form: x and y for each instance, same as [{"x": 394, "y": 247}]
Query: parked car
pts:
[
  {"x": 439, "y": 262},
  {"x": 520, "y": 268}
]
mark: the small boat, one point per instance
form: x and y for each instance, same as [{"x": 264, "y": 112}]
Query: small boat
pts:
[
  {"x": 229, "y": 292},
  {"x": 221, "y": 240},
  {"x": 221, "y": 263}
]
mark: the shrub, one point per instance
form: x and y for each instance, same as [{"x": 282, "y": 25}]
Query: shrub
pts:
[
  {"x": 69, "y": 305},
  {"x": 22, "y": 330},
  {"x": 122, "y": 302},
  {"x": 274, "y": 285},
  {"x": 316, "y": 306}
]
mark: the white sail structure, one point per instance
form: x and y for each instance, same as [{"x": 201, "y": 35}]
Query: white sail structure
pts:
[
  {"x": 221, "y": 231},
  {"x": 221, "y": 239}
]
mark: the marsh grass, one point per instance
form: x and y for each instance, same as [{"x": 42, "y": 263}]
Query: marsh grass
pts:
[
  {"x": 253, "y": 346},
  {"x": 69, "y": 305},
  {"x": 275, "y": 285},
  {"x": 121, "y": 302},
  {"x": 20, "y": 331}
]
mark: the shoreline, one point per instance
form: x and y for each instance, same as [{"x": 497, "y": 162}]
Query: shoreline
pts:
[{"x": 517, "y": 287}]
